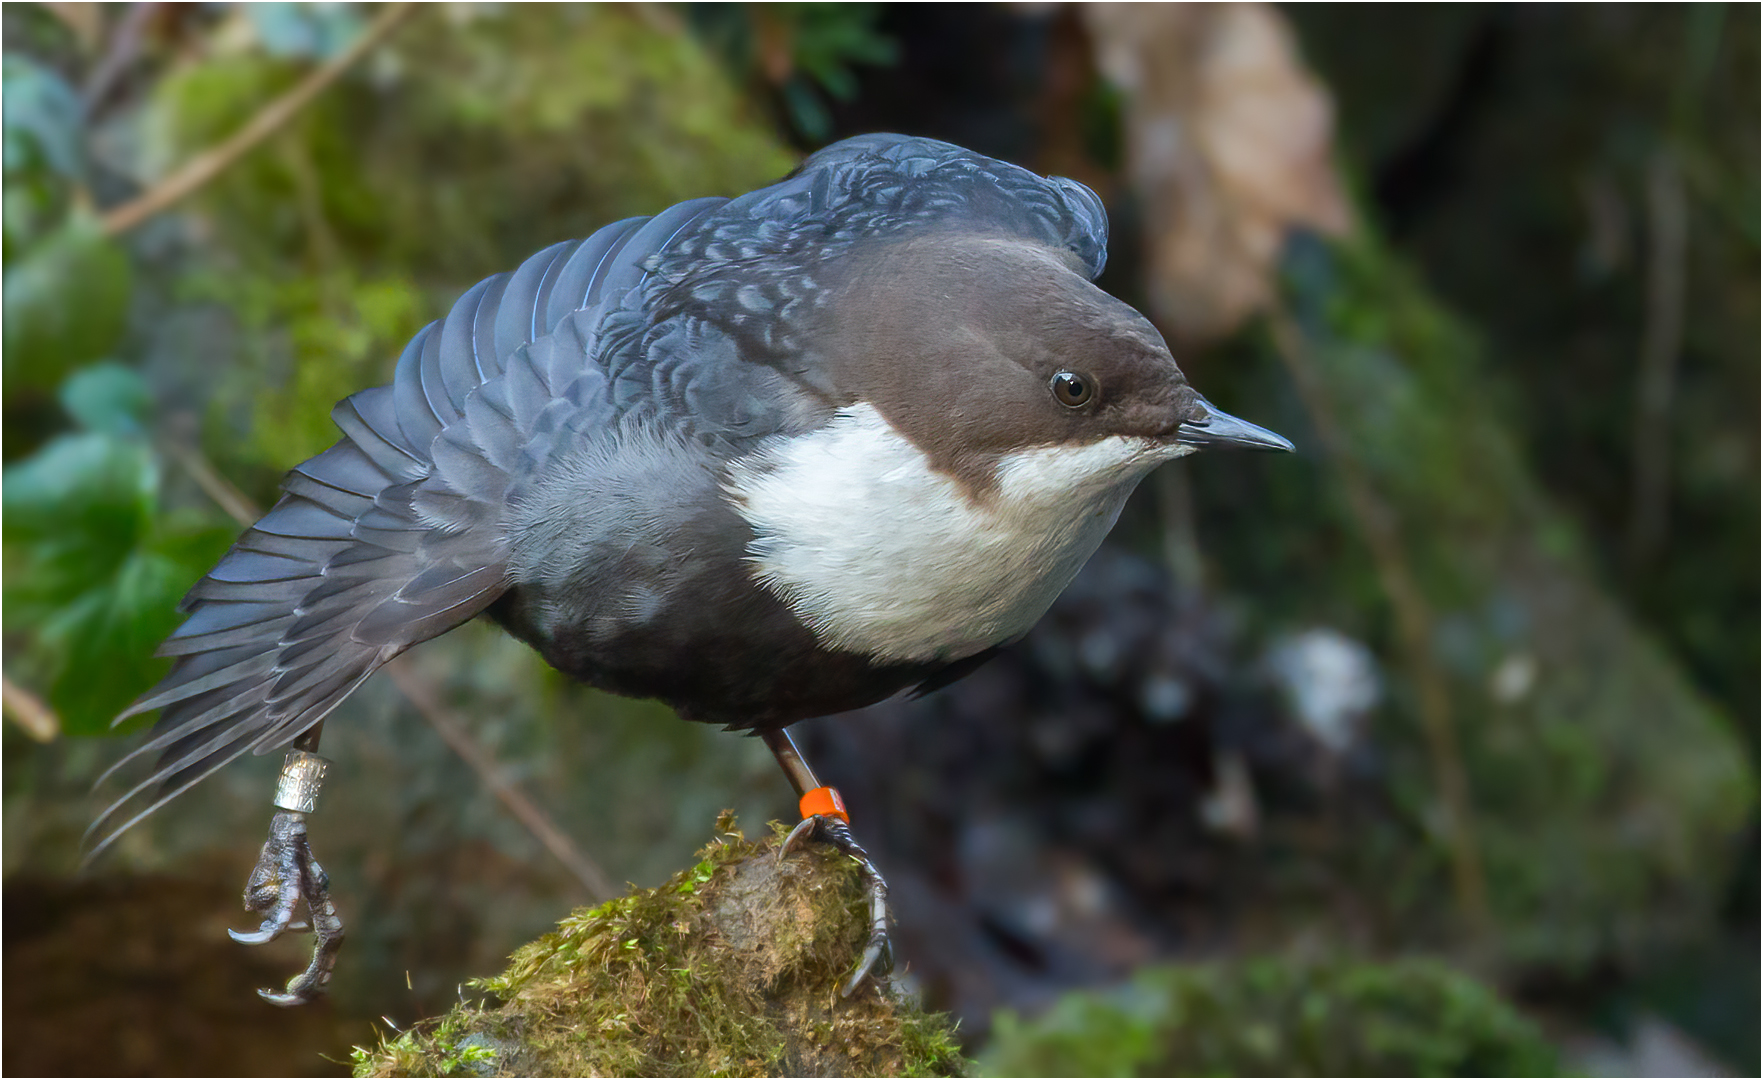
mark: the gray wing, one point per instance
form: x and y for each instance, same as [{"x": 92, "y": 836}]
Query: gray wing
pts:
[{"x": 393, "y": 535}]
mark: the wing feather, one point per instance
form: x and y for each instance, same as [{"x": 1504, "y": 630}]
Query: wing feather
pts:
[{"x": 392, "y": 535}]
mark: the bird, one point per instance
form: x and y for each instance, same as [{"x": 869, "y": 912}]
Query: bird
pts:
[{"x": 762, "y": 458}]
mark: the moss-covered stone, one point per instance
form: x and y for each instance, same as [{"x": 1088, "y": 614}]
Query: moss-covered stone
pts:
[
  {"x": 1275, "y": 1018},
  {"x": 730, "y": 968},
  {"x": 1603, "y": 790}
]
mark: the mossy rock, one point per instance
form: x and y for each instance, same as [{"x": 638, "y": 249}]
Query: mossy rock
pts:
[
  {"x": 731, "y": 968},
  {"x": 1408, "y": 1017}
]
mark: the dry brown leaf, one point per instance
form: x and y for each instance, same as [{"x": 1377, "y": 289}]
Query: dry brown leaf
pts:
[{"x": 1229, "y": 146}]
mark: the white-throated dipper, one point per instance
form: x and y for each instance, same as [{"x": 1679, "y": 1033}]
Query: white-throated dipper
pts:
[{"x": 763, "y": 458}]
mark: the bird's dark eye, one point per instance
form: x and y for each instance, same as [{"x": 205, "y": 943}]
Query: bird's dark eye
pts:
[{"x": 1072, "y": 390}]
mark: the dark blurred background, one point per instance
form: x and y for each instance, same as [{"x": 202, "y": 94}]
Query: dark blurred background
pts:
[{"x": 1473, "y": 677}]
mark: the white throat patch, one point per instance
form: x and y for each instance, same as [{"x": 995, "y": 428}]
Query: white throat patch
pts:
[{"x": 882, "y": 555}]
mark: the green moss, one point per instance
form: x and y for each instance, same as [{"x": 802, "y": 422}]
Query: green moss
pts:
[
  {"x": 315, "y": 339},
  {"x": 478, "y": 137},
  {"x": 473, "y": 139},
  {"x": 729, "y": 968},
  {"x": 1275, "y": 1018},
  {"x": 1603, "y": 787}
]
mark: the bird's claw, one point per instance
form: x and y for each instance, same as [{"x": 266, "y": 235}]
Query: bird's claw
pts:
[
  {"x": 804, "y": 829},
  {"x": 285, "y": 875},
  {"x": 877, "y": 961},
  {"x": 263, "y": 936}
]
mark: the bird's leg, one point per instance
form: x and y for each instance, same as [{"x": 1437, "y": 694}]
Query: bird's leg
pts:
[
  {"x": 824, "y": 819},
  {"x": 286, "y": 874}
]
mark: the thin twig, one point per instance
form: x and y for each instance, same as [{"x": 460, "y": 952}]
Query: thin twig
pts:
[
  {"x": 586, "y": 870},
  {"x": 422, "y": 697},
  {"x": 1377, "y": 523},
  {"x": 32, "y": 714},
  {"x": 1662, "y": 341},
  {"x": 125, "y": 45},
  {"x": 205, "y": 166},
  {"x": 1181, "y": 541},
  {"x": 228, "y": 497}
]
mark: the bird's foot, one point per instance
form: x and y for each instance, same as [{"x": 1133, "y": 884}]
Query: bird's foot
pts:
[
  {"x": 285, "y": 875},
  {"x": 829, "y": 826}
]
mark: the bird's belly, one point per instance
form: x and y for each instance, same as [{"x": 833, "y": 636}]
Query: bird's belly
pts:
[
  {"x": 716, "y": 647},
  {"x": 880, "y": 555}
]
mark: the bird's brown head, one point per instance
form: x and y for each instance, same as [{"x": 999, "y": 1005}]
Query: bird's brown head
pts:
[{"x": 978, "y": 347}]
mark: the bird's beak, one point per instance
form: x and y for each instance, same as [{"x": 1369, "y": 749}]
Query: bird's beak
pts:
[{"x": 1218, "y": 428}]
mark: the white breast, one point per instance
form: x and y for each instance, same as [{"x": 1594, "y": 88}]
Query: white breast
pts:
[{"x": 882, "y": 555}]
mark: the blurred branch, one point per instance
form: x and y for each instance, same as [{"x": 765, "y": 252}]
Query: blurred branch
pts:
[
  {"x": 30, "y": 712},
  {"x": 212, "y": 162},
  {"x": 448, "y": 726},
  {"x": 1181, "y": 542},
  {"x": 217, "y": 487},
  {"x": 660, "y": 18},
  {"x": 1413, "y": 621},
  {"x": 1661, "y": 342},
  {"x": 125, "y": 45},
  {"x": 326, "y": 252},
  {"x": 85, "y": 20},
  {"x": 422, "y": 697},
  {"x": 1667, "y": 270}
]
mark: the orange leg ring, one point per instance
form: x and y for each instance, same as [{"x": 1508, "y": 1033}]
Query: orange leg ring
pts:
[{"x": 824, "y": 800}]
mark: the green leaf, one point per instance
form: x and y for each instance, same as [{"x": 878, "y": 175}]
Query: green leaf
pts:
[
  {"x": 66, "y": 301},
  {"x": 93, "y": 574},
  {"x": 304, "y": 30},
  {"x": 104, "y": 640},
  {"x": 108, "y": 398},
  {"x": 74, "y": 511},
  {"x": 43, "y": 117},
  {"x": 807, "y": 111}
]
